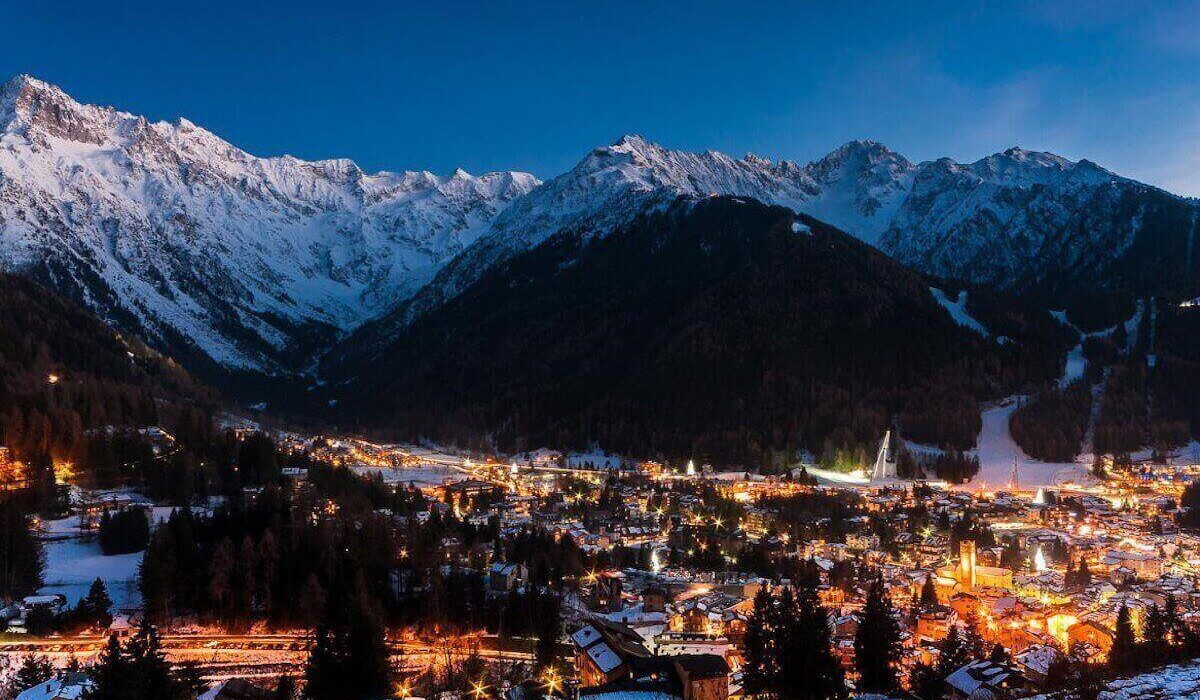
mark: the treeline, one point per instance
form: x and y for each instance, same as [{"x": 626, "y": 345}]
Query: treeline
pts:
[
  {"x": 1050, "y": 426},
  {"x": 64, "y": 372},
  {"x": 1177, "y": 370},
  {"x": 281, "y": 554},
  {"x": 269, "y": 556},
  {"x": 124, "y": 532},
  {"x": 1123, "y": 424},
  {"x": 22, "y": 559},
  {"x": 954, "y": 466}
]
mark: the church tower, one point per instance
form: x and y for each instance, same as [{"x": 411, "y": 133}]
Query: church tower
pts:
[{"x": 966, "y": 564}]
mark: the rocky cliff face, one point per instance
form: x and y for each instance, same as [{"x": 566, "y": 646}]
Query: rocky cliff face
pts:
[{"x": 166, "y": 229}]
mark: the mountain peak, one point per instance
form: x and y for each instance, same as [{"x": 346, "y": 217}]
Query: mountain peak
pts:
[
  {"x": 26, "y": 102},
  {"x": 861, "y": 150}
]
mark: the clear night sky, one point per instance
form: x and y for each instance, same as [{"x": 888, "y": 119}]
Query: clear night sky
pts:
[{"x": 533, "y": 86}]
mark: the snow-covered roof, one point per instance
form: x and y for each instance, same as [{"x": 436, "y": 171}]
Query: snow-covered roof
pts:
[
  {"x": 69, "y": 687},
  {"x": 586, "y": 636},
  {"x": 604, "y": 657}
]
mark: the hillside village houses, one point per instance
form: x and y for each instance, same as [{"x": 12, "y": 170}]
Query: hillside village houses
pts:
[{"x": 1033, "y": 572}]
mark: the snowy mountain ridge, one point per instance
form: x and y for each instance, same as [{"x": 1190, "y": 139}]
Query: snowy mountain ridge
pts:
[
  {"x": 1013, "y": 219},
  {"x": 256, "y": 263},
  {"x": 169, "y": 229}
]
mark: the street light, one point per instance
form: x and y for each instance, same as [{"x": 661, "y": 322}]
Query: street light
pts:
[{"x": 552, "y": 681}]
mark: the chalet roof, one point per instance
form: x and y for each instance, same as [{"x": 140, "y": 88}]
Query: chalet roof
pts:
[{"x": 981, "y": 675}]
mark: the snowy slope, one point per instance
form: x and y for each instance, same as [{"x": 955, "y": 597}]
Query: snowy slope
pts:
[{"x": 166, "y": 229}]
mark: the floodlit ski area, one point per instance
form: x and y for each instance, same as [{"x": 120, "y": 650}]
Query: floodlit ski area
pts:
[{"x": 999, "y": 454}]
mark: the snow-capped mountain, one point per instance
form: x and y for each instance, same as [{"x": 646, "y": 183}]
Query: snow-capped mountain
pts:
[
  {"x": 256, "y": 263},
  {"x": 1017, "y": 219},
  {"x": 857, "y": 187},
  {"x": 166, "y": 229},
  {"x": 1023, "y": 220}
]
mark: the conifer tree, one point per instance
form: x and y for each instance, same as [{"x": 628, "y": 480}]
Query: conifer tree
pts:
[
  {"x": 34, "y": 669},
  {"x": 1123, "y": 654},
  {"x": 22, "y": 560},
  {"x": 1155, "y": 633},
  {"x": 549, "y": 628},
  {"x": 928, "y": 593},
  {"x": 877, "y": 643},
  {"x": 350, "y": 659},
  {"x": 112, "y": 675},
  {"x": 758, "y": 665},
  {"x": 95, "y": 609},
  {"x": 285, "y": 689},
  {"x": 808, "y": 668}
]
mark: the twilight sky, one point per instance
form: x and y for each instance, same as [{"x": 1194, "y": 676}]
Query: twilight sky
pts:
[{"x": 535, "y": 85}]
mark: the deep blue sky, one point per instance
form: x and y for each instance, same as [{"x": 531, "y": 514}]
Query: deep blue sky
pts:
[{"x": 534, "y": 86}]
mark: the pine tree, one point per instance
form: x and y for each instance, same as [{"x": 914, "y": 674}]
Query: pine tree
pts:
[
  {"x": 877, "y": 643},
  {"x": 22, "y": 560},
  {"x": 758, "y": 666},
  {"x": 112, "y": 675},
  {"x": 190, "y": 677},
  {"x": 929, "y": 682},
  {"x": 1154, "y": 648},
  {"x": 34, "y": 669},
  {"x": 808, "y": 669},
  {"x": 999, "y": 655},
  {"x": 153, "y": 675},
  {"x": 285, "y": 689},
  {"x": 1123, "y": 654},
  {"x": 549, "y": 629},
  {"x": 349, "y": 660},
  {"x": 95, "y": 609},
  {"x": 929, "y": 597}
]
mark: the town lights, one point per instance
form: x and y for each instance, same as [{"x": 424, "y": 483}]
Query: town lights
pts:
[
  {"x": 478, "y": 689},
  {"x": 553, "y": 683}
]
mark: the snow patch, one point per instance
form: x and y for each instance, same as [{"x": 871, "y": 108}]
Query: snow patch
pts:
[{"x": 957, "y": 308}]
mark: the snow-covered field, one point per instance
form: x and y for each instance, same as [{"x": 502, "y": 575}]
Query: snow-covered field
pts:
[
  {"x": 72, "y": 565},
  {"x": 595, "y": 459},
  {"x": 423, "y": 475}
]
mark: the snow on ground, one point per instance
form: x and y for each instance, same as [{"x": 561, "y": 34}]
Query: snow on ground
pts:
[
  {"x": 997, "y": 451},
  {"x": 1171, "y": 682},
  {"x": 919, "y": 448},
  {"x": 595, "y": 459},
  {"x": 72, "y": 565},
  {"x": 421, "y": 475},
  {"x": 1075, "y": 366},
  {"x": 957, "y": 308}
]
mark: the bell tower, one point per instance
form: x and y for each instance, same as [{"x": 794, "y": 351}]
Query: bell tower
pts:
[{"x": 966, "y": 564}]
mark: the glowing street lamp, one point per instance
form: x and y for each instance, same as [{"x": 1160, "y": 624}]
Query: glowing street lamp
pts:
[{"x": 552, "y": 682}]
